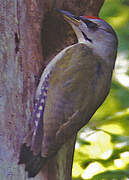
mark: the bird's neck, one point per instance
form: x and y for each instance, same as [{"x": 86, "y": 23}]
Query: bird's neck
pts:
[
  {"x": 105, "y": 51},
  {"x": 79, "y": 34}
]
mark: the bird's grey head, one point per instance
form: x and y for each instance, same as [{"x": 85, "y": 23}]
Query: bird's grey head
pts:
[{"x": 95, "y": 33}]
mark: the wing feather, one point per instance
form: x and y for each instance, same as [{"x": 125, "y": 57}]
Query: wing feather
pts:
[{"x": 75, "y": 86}]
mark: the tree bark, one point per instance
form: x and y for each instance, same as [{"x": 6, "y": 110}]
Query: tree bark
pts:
[{"x": 31, "y": 33}]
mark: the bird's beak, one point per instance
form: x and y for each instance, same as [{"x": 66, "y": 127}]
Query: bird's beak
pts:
[{"x": 69, "y": 17}]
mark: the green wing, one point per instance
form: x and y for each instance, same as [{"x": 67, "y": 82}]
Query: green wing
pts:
[{"x": 78, "y": 85}]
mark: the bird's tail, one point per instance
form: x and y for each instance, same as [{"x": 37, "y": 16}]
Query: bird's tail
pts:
[{"x": 33, "y": 163}]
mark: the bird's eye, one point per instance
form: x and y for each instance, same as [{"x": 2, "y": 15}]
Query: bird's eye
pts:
[
  {"x": 77, "y": 17},
  {"x": 90, "y": 24}
]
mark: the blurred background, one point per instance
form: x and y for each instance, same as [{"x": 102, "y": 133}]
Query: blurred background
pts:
[{"x": 102, "y": 148}]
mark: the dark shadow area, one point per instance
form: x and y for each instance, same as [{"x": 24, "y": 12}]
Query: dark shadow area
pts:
[{"x": 56, "y": 35}]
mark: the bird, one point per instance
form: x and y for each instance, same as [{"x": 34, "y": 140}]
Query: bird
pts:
[{"x": 72, "y": 87}]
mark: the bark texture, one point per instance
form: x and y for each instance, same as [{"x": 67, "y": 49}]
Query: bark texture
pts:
[{"x": 31, "y": 33}]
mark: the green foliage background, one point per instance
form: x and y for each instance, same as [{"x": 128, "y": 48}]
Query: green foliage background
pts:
[{"x": 102, "y": 148}]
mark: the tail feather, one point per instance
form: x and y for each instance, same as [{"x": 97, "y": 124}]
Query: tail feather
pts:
[
  {"x": 33, "y": 163},
  {"x": 30, "y": 152},
  {"x": 25, "y": 154}
]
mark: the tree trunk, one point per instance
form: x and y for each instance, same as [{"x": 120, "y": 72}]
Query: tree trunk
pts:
[{"x": 31, "y": 33}]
